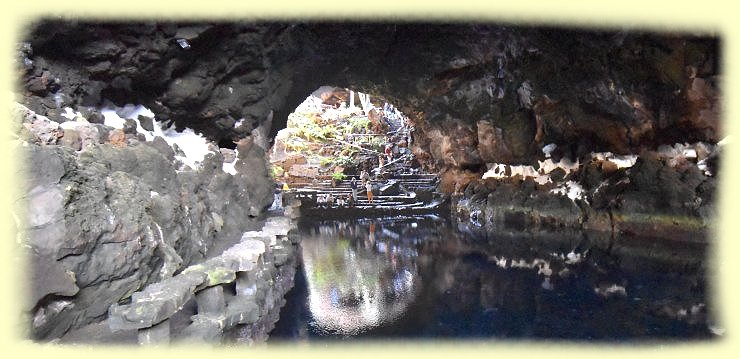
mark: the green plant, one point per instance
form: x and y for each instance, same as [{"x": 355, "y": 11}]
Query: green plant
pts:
[
  {"x": 338, "y": 176},
  {"x": 277, "y": 171},
  {"x": 343, "y": 161},
  {"x": 296, "y": 144},
  {"x": 358, "y": 124}
]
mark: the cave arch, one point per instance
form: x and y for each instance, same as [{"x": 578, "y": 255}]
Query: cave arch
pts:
[{"x": 471, "y": 86}]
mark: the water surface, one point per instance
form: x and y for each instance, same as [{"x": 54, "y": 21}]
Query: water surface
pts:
[{"x": 423, "y": 277}]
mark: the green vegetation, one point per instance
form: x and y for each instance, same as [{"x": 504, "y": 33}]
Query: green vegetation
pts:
[
  {"x": 312, "y": 127},
  {"x": 339, "y": 176},
  {"x": 276, "y": 171},
  {"x": 324, "y": 137}
]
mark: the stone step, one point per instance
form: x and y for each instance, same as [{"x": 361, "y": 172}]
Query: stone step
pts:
[
  {"x": 383, "y": 199},
  {"x": 364, "y": 205},
  {"x": 359, "y": 189},
  {"x": 347, "y": 183},
  {"x": 411, "y": 186}
]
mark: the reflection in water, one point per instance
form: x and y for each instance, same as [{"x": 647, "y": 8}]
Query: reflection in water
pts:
[
  {"x": 357, "y": 278},
  {"x": 423, "y": 277}
]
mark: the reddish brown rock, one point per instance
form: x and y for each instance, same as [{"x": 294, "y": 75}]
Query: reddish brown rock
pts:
[
  {"x": 309, "y": 171},
  {"x": 491, "y": 145},
  {"x": 455, "y": 181},
  {"x": 453, "y": 146},
  {"x": 703, "y": 108},
  {"x": 117, "y": 138}
]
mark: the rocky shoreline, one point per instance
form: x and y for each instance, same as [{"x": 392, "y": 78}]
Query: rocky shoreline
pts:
[{"x": 663, "y": 195}]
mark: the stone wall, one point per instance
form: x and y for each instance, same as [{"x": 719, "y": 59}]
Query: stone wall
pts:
[{"x": 238, "y": 293}]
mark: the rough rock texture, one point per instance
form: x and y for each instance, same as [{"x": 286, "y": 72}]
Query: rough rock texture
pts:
[
  {"x": 477, "y": 93},
  {"x": 496, "y": 93},
  {"x": 660, "y": 197},
  {"x": 103, "y": 221},
  {"x": 260, "y": 267}
]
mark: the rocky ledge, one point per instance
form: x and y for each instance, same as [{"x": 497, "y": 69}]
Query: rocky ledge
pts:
[{"x": 668, "y": 194}]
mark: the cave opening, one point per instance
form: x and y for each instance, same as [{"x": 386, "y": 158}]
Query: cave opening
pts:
[{"x": 336, "y": 133}]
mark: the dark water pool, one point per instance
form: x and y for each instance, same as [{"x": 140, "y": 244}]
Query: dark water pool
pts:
[{"x": 422, "y": 277}]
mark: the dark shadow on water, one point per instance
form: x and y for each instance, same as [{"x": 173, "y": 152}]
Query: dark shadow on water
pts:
[{"x": 423, "y": 278}]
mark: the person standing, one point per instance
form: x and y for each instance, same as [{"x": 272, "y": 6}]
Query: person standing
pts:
[
  {"x": 277, "y": 201},
  {"x": 364, "y": 176},
  {"x": 369, "y": 188},
  {"x": 353, "y": 186},
  {"x": 403, "y": 146}
]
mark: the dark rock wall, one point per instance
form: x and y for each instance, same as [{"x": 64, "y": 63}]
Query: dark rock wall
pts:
[
  {"x": 506, "y": 90},
  {"x": 106, "y": 220}
]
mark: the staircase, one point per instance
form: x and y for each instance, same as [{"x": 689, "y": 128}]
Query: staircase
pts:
[
  {"x": 397, "y": 188},
  {"x": 399, "y": 194}
]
